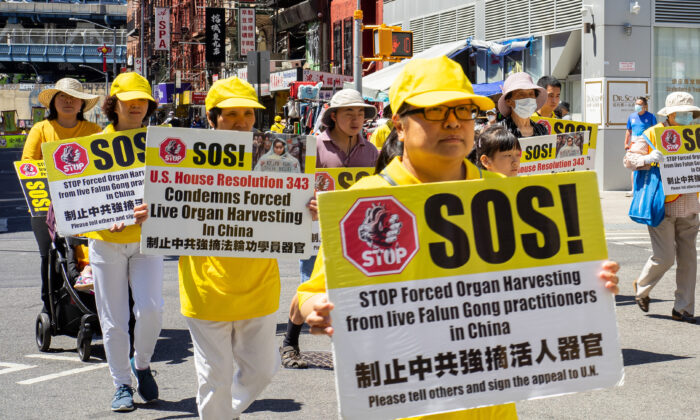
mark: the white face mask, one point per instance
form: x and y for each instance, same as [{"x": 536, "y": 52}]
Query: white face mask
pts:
[
  {"x": 491, "y": 117},
  {"x": 525, "y": 107}
]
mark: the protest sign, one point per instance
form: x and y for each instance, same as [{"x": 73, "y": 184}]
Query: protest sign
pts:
[
  {"x": 680, "y": 168},
  {"x": 557, "y": 126},
  {"x": 565, "y": 152},
  {"x": 95, "y": 181},
  {"x": 13, "y": 141},
  {"x": 32, "y": 178},
  {"x": 331, "y": 179},
  {"x": 202, "y": 183},
  {"x": 466, "y": 294}
]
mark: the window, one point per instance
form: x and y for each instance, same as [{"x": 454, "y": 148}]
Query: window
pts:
[
  {"x": 676, "y": 64},
  {"x": 533, "y": 60},
  {"x": 347, "y": 47},
  {"x": 337, "y": 45}
]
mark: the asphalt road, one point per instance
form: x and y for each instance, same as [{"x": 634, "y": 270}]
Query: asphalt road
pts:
[{"x": 660, "y": 355}]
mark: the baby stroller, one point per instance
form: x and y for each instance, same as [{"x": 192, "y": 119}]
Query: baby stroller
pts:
[{"x": 70, "y": 312}]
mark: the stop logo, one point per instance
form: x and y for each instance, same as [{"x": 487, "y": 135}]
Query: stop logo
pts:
[
  {"x": 671, "y": 140},
  {"x": 172, "y": 150},
  {"x": 546, "y": 125},
  {"x": 28, "y": 170},
  {"x": 324, "y": 182},
  {"x": 71, "y": 158},
  {"x": 379, "y": 236}
]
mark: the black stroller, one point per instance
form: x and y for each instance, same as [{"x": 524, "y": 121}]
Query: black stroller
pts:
[{"x": 70, "y": 312}]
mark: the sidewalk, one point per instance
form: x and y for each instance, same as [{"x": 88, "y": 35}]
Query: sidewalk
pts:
[{"x": 615, "y": 207}]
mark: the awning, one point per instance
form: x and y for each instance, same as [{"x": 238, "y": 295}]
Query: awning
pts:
[
  {"x": 381, "y": 80},
  {"x": 489, "y": 89},
  {"x": 501, "y": 48}
]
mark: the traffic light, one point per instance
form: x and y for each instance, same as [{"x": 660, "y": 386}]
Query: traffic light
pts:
[
  {"x": 389, "y": 42},
  {"x": 402, "y": 44}
]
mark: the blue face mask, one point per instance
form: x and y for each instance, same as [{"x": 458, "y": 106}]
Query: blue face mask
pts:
[
  {"x": 684, "y": 118},
  {"x": 638, "y": 108}
]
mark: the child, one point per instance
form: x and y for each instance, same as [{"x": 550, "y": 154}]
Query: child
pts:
[{"x": 498, "y": 150}]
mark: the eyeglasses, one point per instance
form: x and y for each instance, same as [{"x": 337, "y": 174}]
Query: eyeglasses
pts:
[{"x": 466, "y": 112}]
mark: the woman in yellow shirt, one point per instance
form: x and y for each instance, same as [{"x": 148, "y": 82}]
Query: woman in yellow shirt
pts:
[
  {"x": 67, "y": 104},
  {"x": 118, "y": 264},
  {"x": 434, "y": 121}
]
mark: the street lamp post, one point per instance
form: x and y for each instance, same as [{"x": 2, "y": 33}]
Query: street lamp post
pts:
[
  {"x": 114, "y": 33},
  {"x": 106, "y": 75},
  {"x": 36, "y": 73}
]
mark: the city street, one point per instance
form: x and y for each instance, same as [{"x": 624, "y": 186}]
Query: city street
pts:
[{"x": 661, "y": 356}]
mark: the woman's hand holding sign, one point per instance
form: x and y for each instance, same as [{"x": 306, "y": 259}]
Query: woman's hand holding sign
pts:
[
  {"x": 320, "y": 317},
  {"x": 141, "y": 213},
  {"x": 609, "y": 275}
]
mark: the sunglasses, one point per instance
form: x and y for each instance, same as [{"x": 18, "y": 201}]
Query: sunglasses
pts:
[{"x": 465, "y": 112}]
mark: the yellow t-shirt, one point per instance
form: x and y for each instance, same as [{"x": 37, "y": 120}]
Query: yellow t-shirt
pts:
[
  {"x": 379, "y": 135},
  {"x": 129, "y": 235},
  {"x": 49, "y": 130},
  {"x": 537, "y": 115},
  {"x": 317, "y": 283},
  {"x": 277, "y": 127},
  {"x": 228, "y": 289}
]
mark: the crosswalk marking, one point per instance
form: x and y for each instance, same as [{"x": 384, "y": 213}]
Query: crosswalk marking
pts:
[
  {"x": 13, "y": 367},
  {"x": 53, "y": 357},
  {"x": 636, "y": 239},
  {"x": 62, "y": 374}
]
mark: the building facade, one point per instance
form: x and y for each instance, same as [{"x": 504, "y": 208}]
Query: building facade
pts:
[{"x": 605, "y": 53}]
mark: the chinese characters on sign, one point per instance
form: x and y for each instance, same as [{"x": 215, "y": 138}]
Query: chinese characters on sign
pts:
[
  {"x": 246, "y": 30},
  {"x": 204, "y": 183},
  {"x": 215, "y": 35},
  {"x": 456, "y": 295},
  {"x": 95, "y": 181}
]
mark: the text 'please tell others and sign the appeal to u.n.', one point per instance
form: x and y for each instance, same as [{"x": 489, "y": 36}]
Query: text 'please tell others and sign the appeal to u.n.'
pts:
[
  {"x": 228, "y": 194},
  {"x": 467, "y": 294}
]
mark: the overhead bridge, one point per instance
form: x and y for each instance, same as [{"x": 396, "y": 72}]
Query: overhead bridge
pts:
[{"x": 60, "y": 45}]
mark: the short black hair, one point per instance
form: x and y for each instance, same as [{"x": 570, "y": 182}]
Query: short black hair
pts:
[
  {"x": 643, "y": 99},
  {"x": 213, "y": 115},
  {"x": 53, "y": 113},
  {"x": 110, "y": 104},
  {"x": 386, "y": 112},
  {"x": 392, "y": 147},
  {"x": 496, "y": 138},
  {"x": 545, "y": 81}
]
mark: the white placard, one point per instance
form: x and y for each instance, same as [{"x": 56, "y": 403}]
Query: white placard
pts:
[
  {"x": 565, "y": 152},
  {"x": 205, "y": 200}
]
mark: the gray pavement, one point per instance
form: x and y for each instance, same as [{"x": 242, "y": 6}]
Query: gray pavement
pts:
[{"x": 660, "y": 355}]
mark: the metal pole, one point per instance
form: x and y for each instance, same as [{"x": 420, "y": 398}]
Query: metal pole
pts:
[
  {"x": 143, "y": 64},
  {"x": 106, "y": 85},
  {"x": 357, "y": 70},
  {"x": 114, "y": 53}
]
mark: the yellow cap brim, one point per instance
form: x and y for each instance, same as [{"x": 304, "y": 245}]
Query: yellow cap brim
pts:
[
  {"x": 424, "y": 100},
  {"x": 130, "y": 96},
  {"x": 239, "y": 103}
]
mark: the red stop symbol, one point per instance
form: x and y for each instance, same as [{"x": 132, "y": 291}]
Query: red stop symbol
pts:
[
  {"x": 71, "y": 158},
  {"x": 379, "y": 236},
  {"x": 172, "y": 150},
  {"x": 324, "y": 182}
]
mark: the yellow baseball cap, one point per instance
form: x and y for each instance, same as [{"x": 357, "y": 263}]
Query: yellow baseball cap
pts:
[
  {"x": 232, "y": 93},
  {"x": 425, "y": 82},
  {"x": 278, "y": 118},
  {"x": 129, "y": 86}
]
